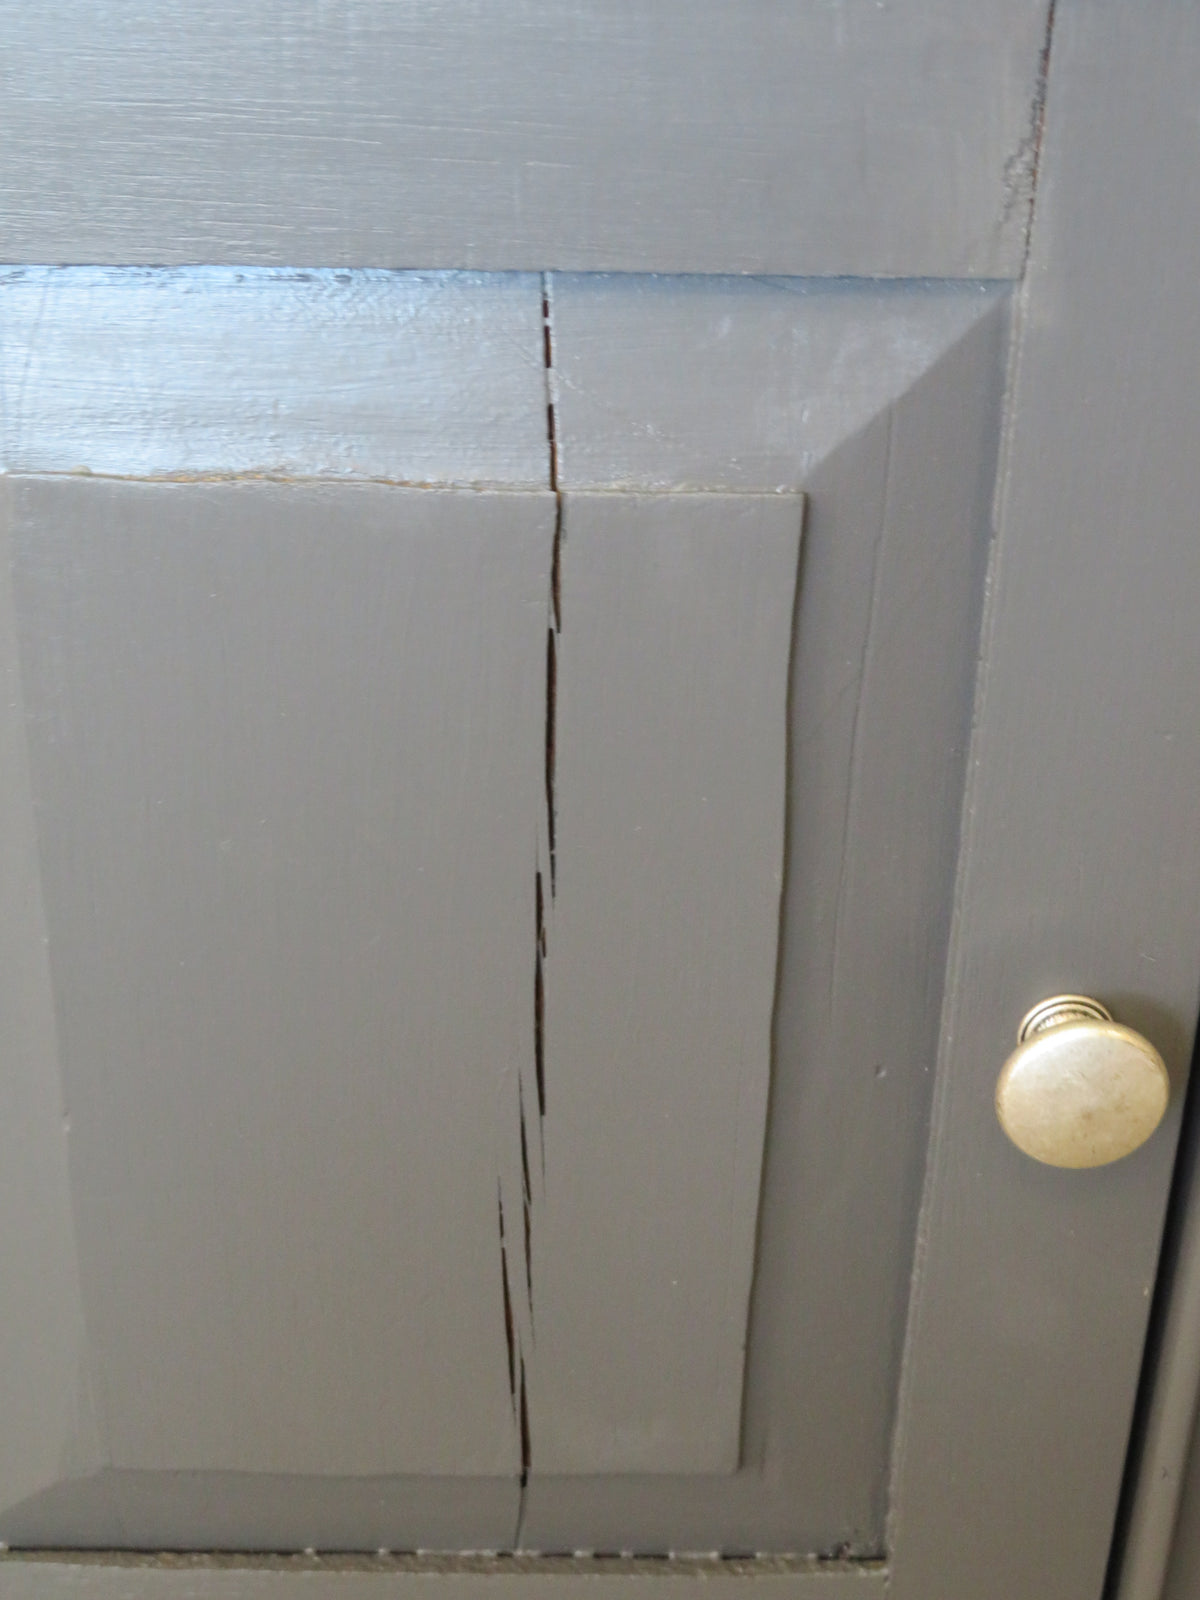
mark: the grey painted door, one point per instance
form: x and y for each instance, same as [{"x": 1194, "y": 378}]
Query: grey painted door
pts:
[{"x": 577, "y": 654}]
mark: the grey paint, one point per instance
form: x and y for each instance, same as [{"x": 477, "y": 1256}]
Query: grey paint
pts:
[
  {"x": 885, "y": 645},
  {"x": 661, "y": 925},
  {"x": 1081, "y": 859},
  {"x": 1179, "y": 1566},
  {"x": 871, "y": 841},
  {"x": 114, "y": 1509},
  {"x": 690, "y": 136},
  {"x": 700, "y": 383},
  {"x": 417, "y": 378},
  {"x": 478, "y": 1580},
  {"x": 285, "y": 746},
  {"x": 288, "y": 746},
  {"x": 1161, "y": 1533},
  {"x": 46, "y": 1425}
]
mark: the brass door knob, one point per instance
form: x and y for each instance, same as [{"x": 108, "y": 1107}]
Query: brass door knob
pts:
[{"x": 1080, "y": 1090}]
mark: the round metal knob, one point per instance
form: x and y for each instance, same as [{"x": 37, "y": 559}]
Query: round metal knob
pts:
[{"x": 1080, "y": 1090}]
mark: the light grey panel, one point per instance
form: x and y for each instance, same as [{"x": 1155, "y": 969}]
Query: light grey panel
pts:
[
  {"x": 46, "y": 1422},
  {"x": 1081, "y": 862},
  {"x": 286, "y": 749},
  {"x": 685, "y": 136},
  {"x": 896, "y": 529},
  {"x": 671, "y": 642},
  {"x": 703, "y": 383},
  {"x": 411, "y": 377}
]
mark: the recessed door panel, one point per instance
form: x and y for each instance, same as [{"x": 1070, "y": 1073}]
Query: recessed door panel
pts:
[
  {"x": 443, "y": 885},
  {"x": 285, "y": 749}
]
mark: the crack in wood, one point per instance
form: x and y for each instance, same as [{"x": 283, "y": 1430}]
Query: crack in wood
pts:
[
  {"x": 539, "y": 1034},
  {"x": 508, "y": 1311},
  {"x": 518, "y": 1383},
  {"x": 551, "y": 713},
  {"x": 526, "y": 1444}
]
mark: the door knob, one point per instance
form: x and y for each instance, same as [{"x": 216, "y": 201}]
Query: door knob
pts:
[{"x": 1080, "y": 1090}]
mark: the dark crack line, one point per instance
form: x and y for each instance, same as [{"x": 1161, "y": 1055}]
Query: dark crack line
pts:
[
  {"x": 553, "y": 629},
  {"x": 508, "y": 1311}
]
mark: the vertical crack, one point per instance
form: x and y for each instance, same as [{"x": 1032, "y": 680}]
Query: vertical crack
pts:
[
  {"x": 539, "y": 1017},
  {"x": 526, "y": 1460},
  {"x": 1038, "y": 128},
  {"x": 528, "y": 1191},
  {"x": 508, "y": 1311},
  {"x": 527, "y": 1202},
  {"x": 551, "y": 710},
  {"x": 547, "y": 852},
  {"x": 526, "y": 1446},
  {"x": 548, "y": 363},
  {"x": 1020, "y": 174},
  {"x": 554, "y": 620},
  {"x": 556, "y": 569}
]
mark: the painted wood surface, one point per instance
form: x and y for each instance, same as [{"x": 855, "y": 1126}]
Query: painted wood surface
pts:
[
  {"x": 473, "y": 1580},
  {"x": 671, "y": 639},
  {"x": 46, "y": 1422},
  {"x": 689, "y": 136},
  {"x": 1081, "y": 860},
  {"x": 896, "y": 531},
  {"x": 285, "y": 749},
  {"x": 1159, "y": 1553},
  {"x": 734, "y": 383},
  {"x": 1180, "y": 1566},
  {"x": 409, "y": 377},
  {"x": 877, "y": 725},
  {"x": 319, "y": 987},
  {"x": 897, "y": 377},
  {"x": 1156, "y": 1551},
  {"x": 1018, "y": 1362}
]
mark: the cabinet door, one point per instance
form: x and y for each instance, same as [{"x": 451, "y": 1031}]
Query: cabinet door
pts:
[{"x": 536, "y": 797}]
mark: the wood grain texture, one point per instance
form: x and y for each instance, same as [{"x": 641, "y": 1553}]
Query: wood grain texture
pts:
[
  {"x": 670, "y": 739},
  {"x": 285, "y": 747},
  {"x": 410, "y": 377},
  {"x": 47, "y": 1428},
  {"x": 690, "y": 136},
  {"x": 1081, "y": 863},
  {"x": 896, "y": 532},
  {"x": 67, "y": 1580}
]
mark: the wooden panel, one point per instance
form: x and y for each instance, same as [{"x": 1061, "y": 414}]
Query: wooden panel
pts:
[
  {"x": 686, "y": 136},
  {"x": 886, "y": 610},
  {"x": 173, "y": 1579},
  {"x": 289, "y": 755},
  {"x": 879, "y": 714},
  {"x": 715, "y": 383},
  {"x": 1081, "y": 863},
  {"x": 46, "y": 1422},
  {"x": 286, "y": 750},
  {"x": 671, "y": 639},
  {"x": 411, "y": 377}
]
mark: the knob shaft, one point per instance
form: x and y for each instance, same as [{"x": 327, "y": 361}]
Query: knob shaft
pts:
[{"x": 1080, "y": 1090}]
